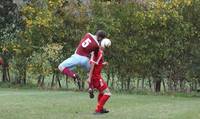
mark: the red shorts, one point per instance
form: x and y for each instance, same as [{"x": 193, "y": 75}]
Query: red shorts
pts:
[{"x": 99, "y": 84}]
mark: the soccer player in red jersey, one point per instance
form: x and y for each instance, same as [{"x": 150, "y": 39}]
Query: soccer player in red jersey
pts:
[
  {"x": 1, "y": 61},
  {"x": 95, "y": 79},
  {"x": 88, "y": 44}
]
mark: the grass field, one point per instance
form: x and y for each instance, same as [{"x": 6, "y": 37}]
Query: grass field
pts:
[{"x": 35, "y": 104}]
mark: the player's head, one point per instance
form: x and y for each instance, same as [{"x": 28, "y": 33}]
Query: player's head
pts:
[
  {"x": 100, "y": 35},
  {"x": 105, "y": 43}
]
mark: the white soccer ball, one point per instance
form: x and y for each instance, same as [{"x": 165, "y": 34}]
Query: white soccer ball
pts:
[{"x": 105, "y": 43}]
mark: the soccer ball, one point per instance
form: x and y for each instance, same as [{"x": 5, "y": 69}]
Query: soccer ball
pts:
[{"x": 105, "y": 43}]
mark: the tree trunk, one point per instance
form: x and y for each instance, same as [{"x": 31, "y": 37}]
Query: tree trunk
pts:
[
  {"x": 4, "y": 78},
  {"x": 24, "y": 76},
  {"x": 67, "y": 82},
  {"x": 150, "y": 86},
  {"x": 182, "y": 85},
  {"x": 42, "y": 83},
  {"x": 138, "y": 83},
  {"x": 82, "y": 84},
  {"x": 175, "y": 85},
  {"x": 164, "y": 87},
  {"x": 128, "y": 83},
  {"x": 142, "y": 83},
  {"x": 108, "y": 75},
  {"x": 157, "y": 85},
  {"x": 52, "y": 82},
  {"x": 5, "y": 65},
  {"x": 112, "y": 82},
  {"x": 190, "y": 90},
  {"x": 58, "y": 80},
  {"x": 8, "y": 74},
  {"x": 18, "y": 79},
  {"x": 195, "y": 85},
  {"x": 39, "y": 80},
  {"x": 122, "y": 84}
]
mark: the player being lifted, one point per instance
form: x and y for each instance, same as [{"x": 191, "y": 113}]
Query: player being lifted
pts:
[
  {"x": 95, "y": 79},
  {"x": 89, "y": 43}
]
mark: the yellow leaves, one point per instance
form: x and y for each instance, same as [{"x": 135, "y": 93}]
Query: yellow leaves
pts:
[
  {"x": 55, "y": 46},
  {"x": 17, "y": 50},
  {"x": 4, "y": 49},
  {"x": 55, "y": 3},
  {"x": 28, "y": 9},
  {"x": 139, "y": 14},
  {"x": 36, "y": 16},
  {"x": 29, "y": 23},
  {"x": 163, "y": 18},
  {"x": 177, "y": 3},
  {"x": 51, "y": 3},
  {"x": 62, "y": 34},
  {"x": 173, "y": 4},
  {"x": 188, "y": 2},
  {"x": 40, "y": 21},
  {"x": 42, "y": 18},
  {"x": 160, "y": 4},
  {"x": 53, "y": 51}
]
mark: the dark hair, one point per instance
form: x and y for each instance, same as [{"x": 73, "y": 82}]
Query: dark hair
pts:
[{"x": 101, "y": 33}]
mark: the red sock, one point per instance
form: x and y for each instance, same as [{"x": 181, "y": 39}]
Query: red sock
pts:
[
  {"x": 99, "y": 97},
  {"x": 102, "y": 102},
  {"x": 69, "y": 73}
]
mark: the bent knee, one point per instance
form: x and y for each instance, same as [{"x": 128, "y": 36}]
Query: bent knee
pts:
[
  {"x": 107, "y": 92},
  {"x": 61, "y": 67}
]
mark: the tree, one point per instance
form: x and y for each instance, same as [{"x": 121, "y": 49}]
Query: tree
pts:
[{"x": 8, "y": 27}]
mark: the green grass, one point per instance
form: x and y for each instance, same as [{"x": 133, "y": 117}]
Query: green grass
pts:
[{"x": 36, "y": 104}]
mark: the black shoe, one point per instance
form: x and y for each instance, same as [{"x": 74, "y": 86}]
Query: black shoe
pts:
[
  {"x": 91, "y": 93},
  {"x": 77, "y": 79},
  {"x": 103, "y": 111}
]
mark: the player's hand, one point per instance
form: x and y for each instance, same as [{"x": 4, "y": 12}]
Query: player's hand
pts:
[
  {"x": 105, "y": 63},
  {"x": 88, "y": 81}
]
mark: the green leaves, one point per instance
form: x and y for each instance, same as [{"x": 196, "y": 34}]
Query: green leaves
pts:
[{"x": 155, "y": 38}]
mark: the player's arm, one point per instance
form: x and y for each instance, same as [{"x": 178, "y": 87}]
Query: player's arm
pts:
[
  {"x": 90, "y": 75},
  {"x": 105, "y": 63},
  {"x": 91, "y": 70},
  {"x": 90, "y": 90}
]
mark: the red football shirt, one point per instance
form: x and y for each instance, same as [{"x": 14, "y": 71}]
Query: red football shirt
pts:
[
  {"x": 1, "y": 61},
  {"x": 98, "y": 61},
  {"x": 87, "y": 45}
]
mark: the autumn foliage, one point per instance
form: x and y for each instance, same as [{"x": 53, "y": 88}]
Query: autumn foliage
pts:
[{"x": 155, "y": 44}]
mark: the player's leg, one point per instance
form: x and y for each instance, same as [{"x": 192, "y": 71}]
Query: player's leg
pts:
[
  {"x": 103, "y": 97},
  {"x": 85, "y": 63},
  {"x": 68, "y": 65},
  {"x": 100, "y": 95},
  {"x": 95, "y": 84}
]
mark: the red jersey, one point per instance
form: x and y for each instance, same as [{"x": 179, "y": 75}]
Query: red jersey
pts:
[
  {"x": 87, "y": 45},
  {"x": 98, "y": 61},
  {"x": 1, "y": 61}
]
